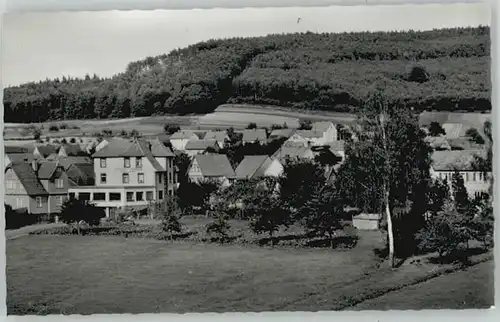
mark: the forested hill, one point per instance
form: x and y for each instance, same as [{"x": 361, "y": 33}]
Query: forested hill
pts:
[{"x": 433, "y": 70}]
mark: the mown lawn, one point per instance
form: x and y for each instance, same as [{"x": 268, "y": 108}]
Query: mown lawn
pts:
[
  {"x": 98, "y": 274},
  {"x": 72, "y": 274},
  {"x": 469, "y": 289}
]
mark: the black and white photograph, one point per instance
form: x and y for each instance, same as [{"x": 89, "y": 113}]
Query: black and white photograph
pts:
[{"x": 286, "y": 159}]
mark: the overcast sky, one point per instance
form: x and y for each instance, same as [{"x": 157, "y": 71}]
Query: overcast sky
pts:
[{"x": 40, "y": 45}]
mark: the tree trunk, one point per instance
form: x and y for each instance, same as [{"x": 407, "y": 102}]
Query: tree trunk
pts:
[{"x": 390, "y": 232}]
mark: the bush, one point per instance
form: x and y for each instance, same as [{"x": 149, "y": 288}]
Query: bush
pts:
[
  {"x": 17, "y": 219},
  {"x": 75, "y": 211},
  {"x": 418, "y": 74},
  {"x": 474, "y": 136},
  {"x": 435, "y": 129},
  {"x": 251, "y": 126},
  {"x": 171, "y": 128},
  {"x": 53, "y": 128},
  {"x": 305, "y": 125},
  {"x": 63, "y": 126}
]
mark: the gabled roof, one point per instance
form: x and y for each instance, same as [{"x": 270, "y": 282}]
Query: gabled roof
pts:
[
  {"x": 214, "y": 165},
  {"x": 183, "y": 134},
  {"x": 21, "y": 157},
  {"x": 321, "y": 126},
  {"x": 46, "y": 150},
  {"x": 251, "y": 135},
  {"x": 219, "y": 136},
  {"x": 72, "y": 149},
  {"x": 438, "y": 142},
  {"x": 250, "y": 165},
  {"x": 291, "y": 151},
  {"x": 159, "y": 149},
  {"x": 28, "y": 178},
  {"x": 285, "y": 133},
  {"x": 81, "y": 174},
  {"x": 47, "y": 169},
  {"x": 200, "y": 144},
  {"x": 135, "y": 148},
  {"x": 66, "y": 162},
  {"x": 460, "y": 160}
]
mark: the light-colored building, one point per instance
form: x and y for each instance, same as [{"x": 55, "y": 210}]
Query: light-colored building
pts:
[
  {"x": 130, "y": 174},
  {"x": 254, "y": 135},
  {"x": 293, "y": 151},
  {"x": 180, "y": 138},
  {"x": 366, "y": 221},
  {"x": 328, "y": 131},
  {"x": 220, "y": 137},
  {"x": 214, "y": 167},
  {"x": 445, "y": 163},
  {"x": 195, "y": 147},
  {"x": 258, "y": 166}
]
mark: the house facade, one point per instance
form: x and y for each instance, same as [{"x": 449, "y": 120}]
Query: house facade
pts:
[
  {"x": 328, "y": 131},
  {"x": 215, "y": 167},
  {"x": 446, "y": 163},
  {"x": 132, "y": 173}
]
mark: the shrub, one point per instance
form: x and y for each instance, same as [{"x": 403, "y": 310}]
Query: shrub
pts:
[
  {"x": 435, "y": 129},
  {"x": 72, "y": 140},
  {"x": 171, "y": 128},
  {"x": 17, "y": 219},
  {"x": 252, "y": 125},
  {"x": 418, "y": 74},
  {"x": 474, "y": 136},
  {"x": 219, "y": 229},
  {"x": 53, "y": 128},
  {"x": 75, "y": 211},
  {"x": 305, "y": 125}
]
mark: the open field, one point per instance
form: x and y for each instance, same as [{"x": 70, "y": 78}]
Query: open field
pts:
[
  {"x": 225, "y": 116},
  {"x": 471, "y": 288},
  {"x": 92, "y": 274}
]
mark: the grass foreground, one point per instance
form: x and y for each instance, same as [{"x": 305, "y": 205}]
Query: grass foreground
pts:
[{"x": 98, "y": 274}]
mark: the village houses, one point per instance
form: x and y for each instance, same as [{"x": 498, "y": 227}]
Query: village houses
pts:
[
  {"x": 180, "y": 138},
  {"x": 194, "y": 147},
  {"x": 221, "y": 137},
  {"x": 258, "y": 166},
  {"x": 215, "y": 167},
  {"x": 130, "y": 174},
  {"x": 445, "y": 163},
  {"x": 254, "y": 136}
]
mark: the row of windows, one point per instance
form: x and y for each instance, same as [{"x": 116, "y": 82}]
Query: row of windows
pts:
[
  {"x": 126, "y": 162},
  {"x": 40, "y": 201},
  {"x": 472, "y": 176},
  {"x": 125, "y": 178},
  {"x": 117, "y": 196}
]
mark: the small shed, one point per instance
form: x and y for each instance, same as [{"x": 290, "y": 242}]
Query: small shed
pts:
[{"x": 366, "y": 221}]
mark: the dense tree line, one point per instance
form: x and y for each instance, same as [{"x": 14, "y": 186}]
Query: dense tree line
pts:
[{"x": 303, "y": 70}]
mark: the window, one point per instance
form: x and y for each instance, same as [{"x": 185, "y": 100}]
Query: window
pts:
[
  {"x": 139, "y": 195},
  {"x": 160, "y": 175},
  {"x": 467, "y": 177},
  {"x": 99, "y": 196},
  {"x": 103, "y": 178},
  {"x": 130, "y": 196},
  {"x": 59, "y": 200},
  {"x": 125, "y": 178},
  {"x": 474, "y": 176},
  {"x": 19, "y": 202},
  {"x": 169, "y": 192},
  {"x": 115, "y": 196},
  {"x": 59, "y": 183},
  {"x": 84, "y": 196},
  {"x": 170, "y": 177},
  {"x": 39, "y": 202},
  {"x": 140, "y": 177},
  {"x": 160, "y": 194},
  {"x": 126, "y": 162},
  {"x": 138, "y": 162},
  {"x": 103, "y": 163},
  {"x": 149, "y": 195}
]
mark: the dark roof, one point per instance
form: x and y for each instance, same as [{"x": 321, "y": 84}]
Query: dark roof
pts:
[
  {"x": 82, "y": 174},
  {"x": 73, "y": 149},
  {"x": 46, "y": 150},
  {"x": 15, "y": 150},
  {"x": 47, "y": 169},
  {"x": 66, "y": 162},
  {"x": 254, "y": 135},
  {"x": 214, "y": 165},
  {"x": 200, "y": 144},
  {"x": 460, "y": 160},
  {"x": 28, "y": 178},
  {"x": 250, "y": 165},
  {"x": 159, "y": 149},
  {"x": 21, "y": 157}
]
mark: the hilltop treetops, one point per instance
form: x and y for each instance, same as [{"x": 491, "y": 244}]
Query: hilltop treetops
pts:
[{"x": 444, "y": 70}]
